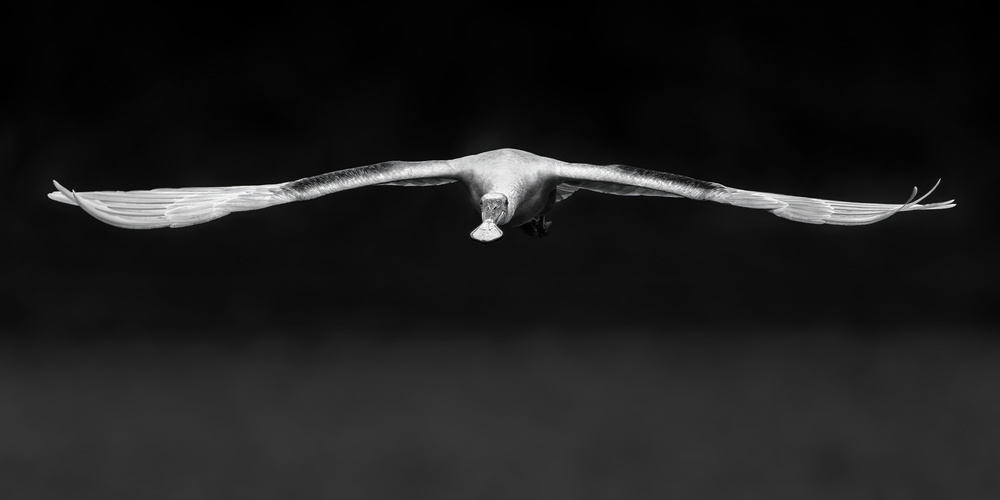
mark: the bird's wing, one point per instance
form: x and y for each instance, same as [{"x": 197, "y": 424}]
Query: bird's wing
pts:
[
  {"x": 627, "y": 180},
  {"x": 170, "y": 207}
]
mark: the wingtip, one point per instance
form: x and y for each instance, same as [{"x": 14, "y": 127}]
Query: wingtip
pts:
[
  {"x": 914, "y": 204},
  {"x": 935, "y": 205},
  {"x": 940, "y": 205},
  {"x": 63, "y": 195}
]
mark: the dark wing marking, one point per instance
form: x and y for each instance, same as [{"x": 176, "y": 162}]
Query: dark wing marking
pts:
[
  {"x": 419, "y": 182},
  {"x": 637, "y": 181},
  {"x": 169, "y": 207},
  {"x": 571, "y": 187}
]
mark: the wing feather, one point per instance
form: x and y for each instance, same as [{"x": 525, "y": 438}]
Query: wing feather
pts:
[
  {"x": 565, "y": 190},
  {"x": 635, "y": 181},
  {"x": 179, "y": 207},
  {"x": 820, "y": 211}
]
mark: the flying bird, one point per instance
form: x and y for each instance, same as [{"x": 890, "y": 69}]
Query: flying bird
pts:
[{"x": 508, "y": 186}]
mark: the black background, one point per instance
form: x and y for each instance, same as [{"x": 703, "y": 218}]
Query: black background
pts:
[{"x": 362, "y": 343}]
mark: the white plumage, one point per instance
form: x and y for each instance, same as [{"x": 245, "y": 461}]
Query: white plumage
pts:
[{"x": 529, "y": 185}]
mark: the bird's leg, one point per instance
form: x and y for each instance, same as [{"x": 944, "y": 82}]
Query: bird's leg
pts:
[{"x": 537, "y": 227}]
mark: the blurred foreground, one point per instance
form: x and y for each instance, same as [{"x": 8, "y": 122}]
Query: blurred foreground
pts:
[{"x": 791, "y": 414}]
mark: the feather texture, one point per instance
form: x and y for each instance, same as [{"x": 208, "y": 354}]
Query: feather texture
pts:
[
  {"x": 168, "y": 207},
  {"x": 526, "y": 181},
  {"x": 179, "y": 207},
  {"x": 820, "y": 211}
]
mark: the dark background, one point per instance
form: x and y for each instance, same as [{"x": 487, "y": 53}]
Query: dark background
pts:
[{"x": 363, "y": 344}]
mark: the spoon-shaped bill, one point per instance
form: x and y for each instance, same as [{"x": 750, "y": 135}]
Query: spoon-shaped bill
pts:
[{"x": 487, "y": 231}]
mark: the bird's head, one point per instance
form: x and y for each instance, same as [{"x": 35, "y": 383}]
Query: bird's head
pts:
[{"x": 495, "y": 209}]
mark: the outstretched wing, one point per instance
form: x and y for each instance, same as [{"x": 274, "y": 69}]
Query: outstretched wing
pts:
[
  {"x": 631, "y": 181},
  {"x": 169, "y": 207}
]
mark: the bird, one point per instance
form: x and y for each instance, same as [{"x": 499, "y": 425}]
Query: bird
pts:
[{"x": 509, "y": 187}]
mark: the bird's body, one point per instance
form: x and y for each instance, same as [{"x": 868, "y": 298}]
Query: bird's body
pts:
[
  {"x": 525, "y": 179},
  {"x": 508, "y": 186}
]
